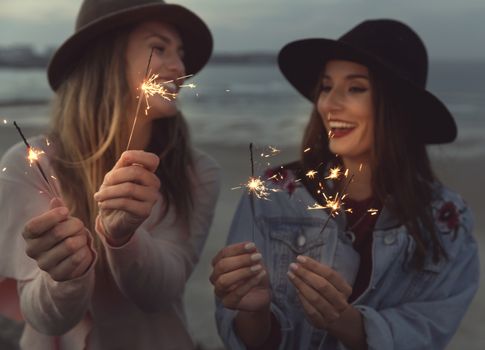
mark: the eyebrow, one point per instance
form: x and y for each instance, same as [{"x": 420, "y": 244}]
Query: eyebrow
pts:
[
  {"x": 159, "y": 36},
  {"x": 163, "y": 38},
  {"x": 350, "y": 77}
]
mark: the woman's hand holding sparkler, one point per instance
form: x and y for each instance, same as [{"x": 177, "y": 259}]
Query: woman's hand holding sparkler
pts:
[
  {"x": 59, "y": 243},
  {"x": 322, "y": 291},
  {"x": 127, "y": 195},
  {"x": 240, "y": 279},
  {"x": 241, "y": 283}
]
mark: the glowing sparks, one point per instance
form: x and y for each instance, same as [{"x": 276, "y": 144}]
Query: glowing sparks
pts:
[
  {"x": 307, "y": 150},
  {"x": 273, "y": 151},
  {"x": 53, "y": 177},
  {"x": 47, "y": 142},
  {"x": 151, "y": 87},
  {"x": 334, "y": 173},
  {"x": 334, "y": 204},
  {"x": 311, "y": 174},
  {"x": 190, "y": 86},
  {"x": 373, "y": 211},
  {"x": 4, "y": 169},
  {"x": 257, "y": 187},
  {"x": 34, "y": 154},
  {"x": 361, "y": 166},
  {"x": 5, "y": 121}
]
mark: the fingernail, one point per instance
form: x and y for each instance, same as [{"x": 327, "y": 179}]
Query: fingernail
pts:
[
  {"x": 256, "y": 257},
  {"x": 255, "y": 268},
  {"x": 293, "y": 266},
  {"x": 301, "y": 258},
  {"x": 249, "y": 246},
  {"x": 290, "y": 275},
  {"x": 261, "y": 274}
]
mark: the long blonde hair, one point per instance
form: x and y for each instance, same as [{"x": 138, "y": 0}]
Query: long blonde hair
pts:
[{"x": 90, "y": 128}]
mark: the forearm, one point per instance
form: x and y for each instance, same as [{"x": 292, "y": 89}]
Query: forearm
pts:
[
  {"x": 53, "y": 308},
  {"x": 150, "y": 272},
  {"x": 258, "y": 330},
  {"x": 349, "y": 329}
]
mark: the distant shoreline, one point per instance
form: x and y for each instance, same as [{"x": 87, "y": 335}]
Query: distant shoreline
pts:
[{"x": 26, "y": 60}]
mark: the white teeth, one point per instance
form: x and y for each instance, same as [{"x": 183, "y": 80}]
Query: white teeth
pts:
[{"x": 340, "y": 125}]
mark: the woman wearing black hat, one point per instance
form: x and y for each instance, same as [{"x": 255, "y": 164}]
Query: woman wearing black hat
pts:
[
  {"x": 103, "y": 265},
  {"x": 316, "y": 279}
]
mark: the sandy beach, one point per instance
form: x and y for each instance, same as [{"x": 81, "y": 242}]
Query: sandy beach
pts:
[{"x": 458, "y": 173}]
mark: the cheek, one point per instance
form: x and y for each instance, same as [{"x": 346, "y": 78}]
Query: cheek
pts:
[{"x": 322, "y": 113}]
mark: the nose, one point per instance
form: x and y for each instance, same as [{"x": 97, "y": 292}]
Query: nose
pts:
[
  {"x": 330, "y": 102},
  {"x": 174, "y": 63}
]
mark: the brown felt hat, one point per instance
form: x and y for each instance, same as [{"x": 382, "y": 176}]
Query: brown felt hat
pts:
[{"x": 97, "y": 17}]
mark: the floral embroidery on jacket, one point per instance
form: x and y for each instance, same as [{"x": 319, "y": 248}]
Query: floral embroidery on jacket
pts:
[{"x": 448, "y": 218}]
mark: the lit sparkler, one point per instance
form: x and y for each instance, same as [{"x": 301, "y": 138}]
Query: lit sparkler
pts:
[
  {"x": 311, "y": 174},
  {"x": 33, "y": 157},
  {"x": 333, "y": 203},
  {"x": 334, "y": 173},
  {"x": 150, "y": 87},
  {"x": 255, "y": 185}
]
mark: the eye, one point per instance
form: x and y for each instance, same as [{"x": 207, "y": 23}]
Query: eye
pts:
[
  {"x": 159, "y": 49},
  {"x": 325, "y": 88},
  {"x": 357, "y": 89}
]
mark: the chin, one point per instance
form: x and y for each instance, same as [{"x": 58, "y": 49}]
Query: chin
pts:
[{"x": 163, "y": 111}]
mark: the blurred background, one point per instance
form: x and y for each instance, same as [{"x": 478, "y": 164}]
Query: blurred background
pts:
[{"x": 241, "y": 97}]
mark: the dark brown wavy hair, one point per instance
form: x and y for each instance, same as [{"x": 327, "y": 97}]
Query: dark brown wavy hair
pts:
[{"x": 402, "y": 176}]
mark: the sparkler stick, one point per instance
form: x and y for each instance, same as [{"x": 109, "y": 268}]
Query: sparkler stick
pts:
[
  {"x": 139, "y": 100},
  {"x": 251, "y": 194},
  {"x": 33, "y": 156}
]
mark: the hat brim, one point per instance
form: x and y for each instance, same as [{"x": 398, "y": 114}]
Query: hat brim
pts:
[
  {"x": 195, "y": 35},
  {"x": 302, "y": 62}
]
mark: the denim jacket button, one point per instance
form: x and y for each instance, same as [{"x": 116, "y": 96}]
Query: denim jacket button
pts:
[
  {"x": 301, "y": 240},
  {"x": 389, "y": 239}
]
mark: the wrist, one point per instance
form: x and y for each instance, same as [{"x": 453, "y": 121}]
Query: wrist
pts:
[
  {"x": 253, "y": 327},
  {"x": 349, "y": 329},
  {"x": 109, "y": 238}
]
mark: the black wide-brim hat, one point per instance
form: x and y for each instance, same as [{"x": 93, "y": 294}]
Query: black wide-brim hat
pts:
[
  {"x": 384, "y": 45},
  {"x": 97, "y": 17}
]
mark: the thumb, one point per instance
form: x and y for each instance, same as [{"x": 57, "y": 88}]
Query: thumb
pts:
[{"x": 56, "y": 202}]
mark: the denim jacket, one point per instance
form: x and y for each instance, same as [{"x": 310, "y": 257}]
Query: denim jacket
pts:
[{"x": 402, "y": 308}]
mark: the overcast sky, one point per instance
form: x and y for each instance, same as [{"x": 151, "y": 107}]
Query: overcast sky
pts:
[{"x": 451, "y": 29}]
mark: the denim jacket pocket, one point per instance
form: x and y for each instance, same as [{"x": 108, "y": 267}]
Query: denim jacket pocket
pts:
[
  {"x": 421, "y": 280},
  {"x": 288, "y": 239}
]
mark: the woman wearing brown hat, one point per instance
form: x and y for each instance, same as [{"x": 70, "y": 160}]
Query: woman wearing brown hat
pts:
[
  {"x": 345, "y": 277},
  {"x": 103, "y": 265}
]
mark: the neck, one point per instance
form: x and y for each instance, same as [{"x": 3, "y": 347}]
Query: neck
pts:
[{"x": 361, "y": 186}]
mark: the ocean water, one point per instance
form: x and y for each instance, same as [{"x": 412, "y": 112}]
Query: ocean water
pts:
[{"x": 238, "y": 104}]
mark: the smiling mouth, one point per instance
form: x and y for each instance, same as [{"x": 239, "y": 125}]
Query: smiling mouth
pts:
[{"x": 340, "y": 128}]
